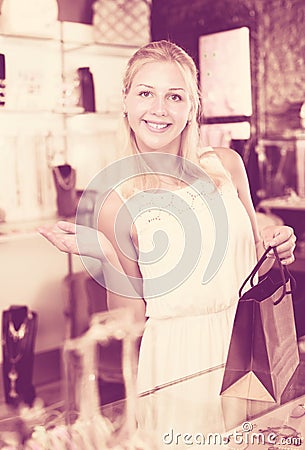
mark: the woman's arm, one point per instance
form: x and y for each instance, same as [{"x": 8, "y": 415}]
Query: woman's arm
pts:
[
  {"x": 280, "y": 236},
  {"x": 122, "y": 274},
  {"x": 122, "y": 291}
]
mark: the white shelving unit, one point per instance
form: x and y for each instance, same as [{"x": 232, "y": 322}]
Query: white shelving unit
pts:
[
  {"x": 41, "y": 124},
  {"x": 36, "y": 133}
]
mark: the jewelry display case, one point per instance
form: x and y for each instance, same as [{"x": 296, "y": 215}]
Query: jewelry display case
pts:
[{"x": 243, "y": 424}]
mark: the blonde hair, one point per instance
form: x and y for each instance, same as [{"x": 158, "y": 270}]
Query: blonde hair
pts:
[{"x": 190, "y": 148}]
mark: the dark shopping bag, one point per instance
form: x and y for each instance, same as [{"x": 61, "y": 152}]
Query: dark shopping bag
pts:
[{"x": 263, "y": 353}]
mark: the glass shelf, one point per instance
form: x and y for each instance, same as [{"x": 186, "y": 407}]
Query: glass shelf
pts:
[{"x": 29, "y": 37}]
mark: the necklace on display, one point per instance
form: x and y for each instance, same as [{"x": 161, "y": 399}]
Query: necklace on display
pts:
[
  {"x": 15, "y": 354},
  {"x": 65, "y": 181},
  {"x": 13, "y": 377},
  {"x": 20, "y": 333}
]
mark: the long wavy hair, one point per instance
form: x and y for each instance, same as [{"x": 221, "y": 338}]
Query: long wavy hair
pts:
[{"x": 190, "y": 147}]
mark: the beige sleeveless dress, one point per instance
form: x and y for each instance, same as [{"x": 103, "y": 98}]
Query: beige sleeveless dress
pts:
[{"x": 189, "y": 323}]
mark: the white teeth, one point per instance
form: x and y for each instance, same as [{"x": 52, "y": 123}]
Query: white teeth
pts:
[{"x": 157, "y": 126}]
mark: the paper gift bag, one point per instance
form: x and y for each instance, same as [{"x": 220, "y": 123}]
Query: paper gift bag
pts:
[{"x": 263, "y": 353}]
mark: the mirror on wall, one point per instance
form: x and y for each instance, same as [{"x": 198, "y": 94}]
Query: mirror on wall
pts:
[
  {"x": 225, "y": 73},
  {"x": 225, "y": 83}
]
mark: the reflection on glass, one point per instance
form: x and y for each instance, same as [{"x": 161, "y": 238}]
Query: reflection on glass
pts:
[{"x": 90, "y": 361}]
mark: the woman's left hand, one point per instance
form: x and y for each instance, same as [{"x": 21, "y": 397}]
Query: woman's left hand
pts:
[
  {"x": 283, "y": 238},
  {"x": 78, "y": 239}
]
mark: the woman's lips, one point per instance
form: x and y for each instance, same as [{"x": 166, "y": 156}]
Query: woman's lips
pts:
[{"x": 157, "y": 126}]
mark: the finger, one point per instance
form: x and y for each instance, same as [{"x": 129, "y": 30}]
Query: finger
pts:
[
  {"x": 63, "y": 242},
  {"x": 288, "y": 260},
  {"x": 48, "y": 234},
  {"x": 288, "y": 245},
  {"x": 68, "y": 227},
  {"x": 268, "y": 236},
  {"x": 286, "y": 250},
  {"x": 43, "y": 230},
  {"x": 281, "y": 235}
]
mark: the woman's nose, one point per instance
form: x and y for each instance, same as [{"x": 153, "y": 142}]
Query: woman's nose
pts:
[{"x": 158, "y": 106}]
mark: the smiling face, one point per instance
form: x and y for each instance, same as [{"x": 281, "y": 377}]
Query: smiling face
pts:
[{"x": 158, "y": 107}]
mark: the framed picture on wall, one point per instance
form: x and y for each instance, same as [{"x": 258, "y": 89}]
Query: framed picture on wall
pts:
[{"x": 225, "y": 73}]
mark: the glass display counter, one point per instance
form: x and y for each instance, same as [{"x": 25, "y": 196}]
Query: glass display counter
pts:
[
  {"x": 80, "y": 422},
  {"x": 248, "y": 425}
]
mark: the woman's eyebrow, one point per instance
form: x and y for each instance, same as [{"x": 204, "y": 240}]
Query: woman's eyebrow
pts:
[
  {"x": 145, "y": 85},
  {"x": 176, "y": 89},
  {"x": 152, "y": 87}
]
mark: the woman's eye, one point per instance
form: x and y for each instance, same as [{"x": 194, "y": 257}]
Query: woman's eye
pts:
[
  {"x": 144, "y": 94},
  {"x": 175, "y": 97}
]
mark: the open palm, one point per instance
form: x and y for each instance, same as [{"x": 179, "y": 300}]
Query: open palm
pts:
[{"x": 77, "y": 239}]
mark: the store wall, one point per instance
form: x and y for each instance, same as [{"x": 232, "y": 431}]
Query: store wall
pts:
[
  {"x": 283, "y": 51},
  {"x": 43, "y": 126}
]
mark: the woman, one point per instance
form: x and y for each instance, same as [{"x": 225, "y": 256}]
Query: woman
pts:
[{"x": 189, "y": 321}]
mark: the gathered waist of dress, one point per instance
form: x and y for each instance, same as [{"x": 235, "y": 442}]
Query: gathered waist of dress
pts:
[{"x": 173, "y": 315}]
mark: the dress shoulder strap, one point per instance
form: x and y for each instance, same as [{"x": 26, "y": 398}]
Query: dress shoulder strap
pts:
[
  {"x": 118, "y": 190},
  {"x": 204, "y": 151}
]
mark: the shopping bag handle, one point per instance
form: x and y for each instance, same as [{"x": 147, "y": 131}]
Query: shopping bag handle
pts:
[{"x": 284, "y": 273}]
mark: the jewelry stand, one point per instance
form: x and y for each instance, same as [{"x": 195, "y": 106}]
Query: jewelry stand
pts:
[
  {"x": 19, "y": 326},
  {"x": 65, "y": 178}
]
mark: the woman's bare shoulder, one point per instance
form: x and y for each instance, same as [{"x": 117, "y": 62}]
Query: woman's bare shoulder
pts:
[
  {"x": 228, "y": 156},
  {"x": 109, "y": 209},
  {"x": 233, "y": 163}
]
